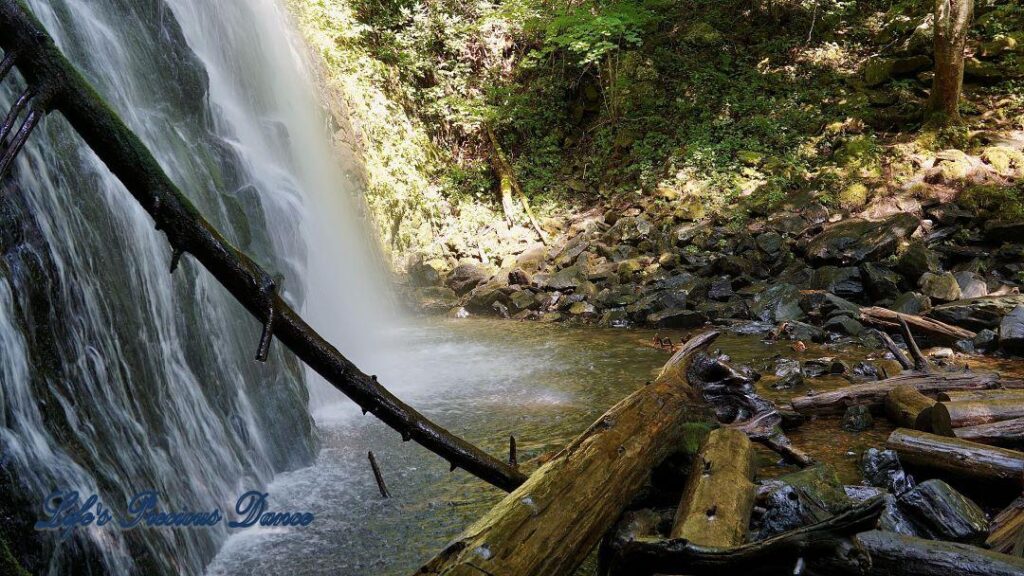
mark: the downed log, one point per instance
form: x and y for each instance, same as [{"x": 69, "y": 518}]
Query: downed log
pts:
[
  {"x": 932, "y": 329},
  {"x": 894, "y": 350},
  {"x": 798, "y": 499},
  {"x": 773, "y": 556},
  {"x": 873, "y": 394},
  {"x": 895, "y": 554},
  {"x": 946, "y": 416},
  {"x": 1007, "y": 530},
  {"x": 994, "y": 394},
  {"x": 719, "y": 496},
  {"x": 1003, "y": 433},
  {"x": 551, "y": 523},
  {"x": 63, "y": 89},
  {"x": 958, "y": 457},
  {"x": 942, "y": 513},
  {"x": 905, "y": 406}
]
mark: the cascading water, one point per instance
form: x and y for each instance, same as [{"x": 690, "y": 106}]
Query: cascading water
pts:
[{"x": 117, "y": 377}]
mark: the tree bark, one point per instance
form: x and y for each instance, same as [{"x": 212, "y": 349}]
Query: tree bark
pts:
[
  {"x": 65, "y": 90},
  {"x": 1004, "y": 433},
  {"x": 873, "y": 394},
  {"x": 930, "y": 328},
  {"x": 952, "y": 20},
  {"x": 719, "y": 496},
  {"x": 894, "y": 554},
  {"x": 962, "y": 395},
  {"x": 957, "y": 457},
  {"x": 551, "y": 523},
  {"x": 947, "y": 416},
  {"x": 905, "y": 406}
]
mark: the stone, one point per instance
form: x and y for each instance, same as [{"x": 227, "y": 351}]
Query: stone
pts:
[
  {"x": 779, "y": 303},
  {"x": 668, "y": 260},
  {"x": 770, "y": 242},
  {"x": 880, "y": 282},
  {"x": 977, "y": 313},
  {"x": 857, "y": 419},
  {"x": 466, "y": 277},
  {"x": 519, "y": 277},
  {"x": 482, "y": 299},
  {"x": 522, "y": 300},
  {"x": 721, "y": 290},
  {"x": 677, "y": 318},
  {"x": 569, "y": 277},
  {"x": 795, "y": 330},
  {"x": 582, "y": 309},
  {"x": 985, "y": 340},
  {"x": 853, "y": 241},
  {"x": 439, "y": 298},
  {"x": 916, "y": 260},
  {"x": 423, "y": 274},
  {"x": 629, "y": 229},
  {"x": 972, "y": 285},
  {"x": 882, "y": 468},
  {"x": 843, "y": 282},
  {"x": 879, "y": 70},
  {"x": 617, "y": 318},
  {"x": 1011, "y": 331},
  {"x": 911, "y": 303},
  {"x": 844, "y": 325},
  {"x": 1004, "y": 231},
  {"x": 942, "y": 513},
  {"x": 940, "y": 287}
]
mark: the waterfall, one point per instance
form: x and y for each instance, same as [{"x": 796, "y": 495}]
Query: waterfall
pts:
[{"x": 118, "y": 377}]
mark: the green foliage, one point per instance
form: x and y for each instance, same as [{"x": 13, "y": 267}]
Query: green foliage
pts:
[{"x": 588, "y": 34}]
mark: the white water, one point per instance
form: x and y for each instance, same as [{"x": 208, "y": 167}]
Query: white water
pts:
[{"x": 118, "y": 377}]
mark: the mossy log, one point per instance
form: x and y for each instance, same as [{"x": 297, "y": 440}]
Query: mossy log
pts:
[
  {"x": 994, "y": 394},
  {"x": 930, "y": 328},
  {"x": 959, "y": 458},
  {"x": 772, "y": 556},
  {"x": 947, "y": 416},
  {"x": 551, "y": 523},
  {"x": 63, "y": 89},
  {"x": 1002, "y": 433},
  {"x": 719, "y": 495},
  {"x": 893, "y": 554},
  {"x": 873, "y": 394},
  {"x": 905, "y": 406},
  {"x": 1006, "y": 534}
]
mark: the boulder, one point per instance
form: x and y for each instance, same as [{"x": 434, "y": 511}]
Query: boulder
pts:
[
  {"x": 466, "y": 277},
  {"x": 677, "y": 318},
  {"x": 942, "y": 513},
  {"x": 853, "y": 241},
  {"x": 882, "y": 468},
  {"x": 436, "y": 298},
  {"x": 522, "y": 300},
  {"x": 916, "y": 260},
  {"x": 1004, "y": 231},
  {"x": 569, "y": 277},
  {"x": 977, "y": 313},
  {"x": 629, "y": 229},
  {"x": 483, "y": 298},
  {"x": 843, "y": 282},
  {"x": 1011, "y": 331},
  {"x": 940, "y": 287},
  {"x": 879, "y": 70},
  {"x": 423, "y": 274},
  {"x": 770, "y": 243},
  {"x": 972, "y": 285},
  {"x": 842, "y": 324},
  {"x": 880, "y": 282},
  {"x": 795, "y": 330},
  {"x": 911, "y": 303},
  {"x": 778, "y": 303},
  {"x": 858, "y": 419},
  {"x": 582, "y": 308},
  {"x": 721, "y": 289}
]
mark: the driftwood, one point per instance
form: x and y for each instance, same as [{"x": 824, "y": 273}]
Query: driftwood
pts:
[
  {"x": 942, "y": 513},
  {"x": 874, "y": 393},
  {"x": 893, "y": 554},
  {"x": 895, "y": 350},
  {"x": 1003, "y": 433},
  {"x": 958, "y": 458},
  {"x": 994, "y": 394},
  {"x": 58, "y": 86},
  {"x": 1007, "y": 530},
  {"x": 946, "y": 416},
  {"x": 719, "y": 495},
  {"x": 773, "y": 556},
  {"x": 907, "y": 407},
  {"x": 378, "y": 476},
  {"x": 551, "y": 523},
  {"x": 932, "y": 329}
]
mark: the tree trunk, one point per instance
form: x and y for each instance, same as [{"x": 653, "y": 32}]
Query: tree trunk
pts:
[
  {"x": 894, "y": 554},
  {"x": 962, "y": 395},
  {"x": 509, "y": 186},
  {"x": 907, "y": 407},
  {"x": 719, "y": 496},
  {"x": 958, "y": 457},
  {"x": 952, "y": 20},
  {"x": 873, "y": 394},
  {"x": 929, "y": 328},
  {"x": 551, "y": 523},
  {"x": 947, "y": 416},
  {"x": 1004, "y": 433},
  {"x": 1007, "y": 532}
]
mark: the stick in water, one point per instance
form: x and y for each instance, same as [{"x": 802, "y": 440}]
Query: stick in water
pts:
[{"x": 384, "y": 493}]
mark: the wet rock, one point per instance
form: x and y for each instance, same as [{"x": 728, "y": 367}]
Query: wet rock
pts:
[
  {"x": 972, "y": 285},
  {"x": 880, "y": 282},
  {"x": 795, "y": 330},
  {"x": 894, "y": 520},
  {"x": 859, "y": 494},
  {"x": 424, "y": 274},
  {"x": 1004, "y": 231},
  {"x": 439, "y": 298},
  {"x": 882, "y": 468},
  {"x": 778, "y": 303},
  {"x": 940, "y": 287},
  {"x": 582, "y": 309},
  {"x": 500, "y": 309},
  {"x": 942, "y": 513},
  {"x": 458, "y": 312},
  {"x": 522, "y": 300},
  {"x": 785, "y": 367},
  {"x": 911, "y": 303},
  {"x": 721, "y": 289},
  {"x": 853, "y": 241},
  {"x": 1011, "y": 331},
  {"x": 519, "y": 277},
  {"x": 798, "y": 499},
  {"x": 843, "y": 282},
  {"x": 986, "y": 340},
  {"x": 482, "y": 299},
  {"x": 857, "y": 419},
  {"x": 617, "y": 318},
  {"x": 770, "y": 243},
  {"x": 917, "y": 260},
  {"x": 866, "y": 370},
  {"x": 569, "y": 277},
  {"x": 844, "y": 325},
  {"x": 629, "y": 229},
  {"x": 733, "y": 265},
  {"x": 466, "y": 277},
  {"x": 977, "y": 313},
  {"x": 677, "y": 318}
]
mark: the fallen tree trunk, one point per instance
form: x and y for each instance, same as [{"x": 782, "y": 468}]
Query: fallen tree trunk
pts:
[
  {"x": 895, "y": 554},
  {"x": 958, "y": 457},
  {"x": 929, "y": 327},
  {"x": 946, "y": 416},
  {"x": 905, "y": 406},
  {"x": 62, "y": 88},
  {"x": 873, "y": 393},
  {"x": 1007, "y": 531},
  {"x": 1004, "y": 433},
  {"x": 719, "y": 496},
  {"x": 551, "y": 523},
  {"x": 993, "y": 394},
  {"x": 773, "y": 556}
]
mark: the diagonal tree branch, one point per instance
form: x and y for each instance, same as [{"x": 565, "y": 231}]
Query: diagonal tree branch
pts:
[{"x": 61, "y": 88}]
